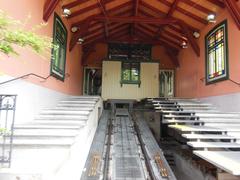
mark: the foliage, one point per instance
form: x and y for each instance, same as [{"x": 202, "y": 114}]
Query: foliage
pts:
[{"x": 12, "y": 32}]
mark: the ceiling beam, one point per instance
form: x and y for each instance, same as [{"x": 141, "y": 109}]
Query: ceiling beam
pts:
[
  {"x": 102, "y": 7},
  {"x": 197, "y": 6},
  {"x": 79, "y": 23},
  {"x": 86, "y": 9},
  {"x": 174, "y": 28},
  {"x": 234, "y": 10},
  {"x": 162, "y": 14},
  {"x": 163, "y": 39},
  {"x": 172, "y": 8},
  {"x": 169, "y": 14},
  {"x": 135, "y": 13},
  {"x": 83, "y": 31},
  {"x": 134, "y": 19},
  {"x": 187, "y": 13},
  {"x": 190, "y": 38},
  {"x": 48, "y": 8},
  {"x": 217, "y": 3},
  {"x": 73, "y": 4}
]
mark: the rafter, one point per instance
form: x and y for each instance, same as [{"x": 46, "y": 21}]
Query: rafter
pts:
[
  {"x": 74, "y": 3},
  {"x": 135, "y": 13},
  {"x": 135, "y": 20},
  {"x": 48, "y": 8},
  {"x": 217, "y": 2},
  {"x": 234, "y": 10},
  {"x": 109, "y": 12},
  {"x": 190, "y": 38},
  {"x": 197, "y": 6},
  {"x": 101, "y": 5},
  {"x": 86, "y": 9},
  {"x": 162, "y": 14},
  {"x": 172, "y": 8},
  {"x": 183, "y": 11},
  {"x": 169, "y": 14}
]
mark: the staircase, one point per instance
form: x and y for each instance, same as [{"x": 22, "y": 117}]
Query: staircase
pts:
[
  {"x": 213, "y": 135},
  {"x": 55, "y": 145}
]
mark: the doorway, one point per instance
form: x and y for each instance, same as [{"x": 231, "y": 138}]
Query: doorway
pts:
[
  {"x": 166, "y": 78},
  {"x": 92, "y": 81}
]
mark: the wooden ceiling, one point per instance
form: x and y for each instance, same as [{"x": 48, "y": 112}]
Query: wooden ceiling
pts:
[{"x": 164, "y": 22}]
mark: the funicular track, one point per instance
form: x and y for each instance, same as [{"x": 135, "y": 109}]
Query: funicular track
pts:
[{"x": 125, "y": 154}]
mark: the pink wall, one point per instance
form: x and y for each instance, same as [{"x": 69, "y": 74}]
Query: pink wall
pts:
[
  {"x": 29, "y": 62},
  {"x": 192, "y": 68}
]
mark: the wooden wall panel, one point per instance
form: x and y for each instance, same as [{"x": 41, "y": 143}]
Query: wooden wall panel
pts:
[{"x": 111, "y": 87}]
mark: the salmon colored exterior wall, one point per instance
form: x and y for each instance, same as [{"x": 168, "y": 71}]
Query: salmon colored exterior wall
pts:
[
  {"x": 192, "y": 68},
  {"x": 29, "y": 62},
  {"x": 101, "y": 53}
]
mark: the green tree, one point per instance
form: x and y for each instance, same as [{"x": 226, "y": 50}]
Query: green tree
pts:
[{"x": 13, "y": 32}]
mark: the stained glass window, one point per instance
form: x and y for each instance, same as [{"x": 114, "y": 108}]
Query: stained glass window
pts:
[
  {"x": 59, "y": 53},
  {"x": 130, "y": 72},
  {"x": 216, "y": 53}
]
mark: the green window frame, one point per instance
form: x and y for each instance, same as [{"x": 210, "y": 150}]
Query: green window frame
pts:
[
  {"x": 58, "y": 60},
  {"x": 130, "y": 73},
  {"x": 216, "y": 44}
]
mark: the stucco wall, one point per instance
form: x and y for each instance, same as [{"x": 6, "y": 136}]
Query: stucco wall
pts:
[
  {"x": 192, "y": 68},
  {"x": 29, "y": 62}
]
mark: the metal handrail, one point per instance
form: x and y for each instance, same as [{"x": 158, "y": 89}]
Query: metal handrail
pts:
[
  {"x": 23, "y": 76},
  {"x": 235, "y": 82}
]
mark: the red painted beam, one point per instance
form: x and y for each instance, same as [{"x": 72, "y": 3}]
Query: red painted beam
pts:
[
  {"x": 172, "y": 8},
  {"x": 49, "y": 7},
  {"x": 109, "y": 12},
  {"x": 87, "y": 9},
  {"x": 73, "y": 4},
  {"x": 183, "y": 11},
  {"x": 102, "y": 7},
  {"x": 169, "y": 14},
  {"x": 234, "y": 10},
  {"x": 161, "y": 13},
  {"x": 190, "y": 38},
  {"x": 217, "y": 3},
  {"x": 136, "y": 20},
  {"x": 197, "y": 6}
]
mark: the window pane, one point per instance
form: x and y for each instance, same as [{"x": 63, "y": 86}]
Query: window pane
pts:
[
  {"x": 216, "y": 57},
  {"x": 59, "y": 53},
  {"x": 135, "y": 71},
  {"x": 126, "y": 71}
]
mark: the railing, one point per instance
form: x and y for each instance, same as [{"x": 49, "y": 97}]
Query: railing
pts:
[
  {"x": 24, "y": 76},
  {"x": 7, "y": 117}
]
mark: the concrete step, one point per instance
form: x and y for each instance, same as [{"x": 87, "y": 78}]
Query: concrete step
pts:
[
  {"x": 213, "y": 144},
  {"x": 46, "y": 132},
  {"x": 64, "y": 112},
  {"x": 49, "y": 126},
  {"x": 72, "y": 109},
  {"x": 78, "y": 102},
  {"x": 62, "y": 117},
  {"x": 39, "y": 143},
  {"x": 219, "y": 119},
  {"x": 208, "y": 136},
  {"x": 66, "y": 105},
  {"x": 83, "y": 97},
  {"x": 58, "y": 122}
]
